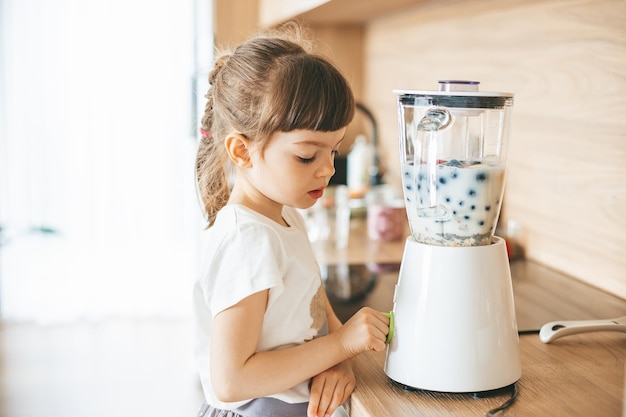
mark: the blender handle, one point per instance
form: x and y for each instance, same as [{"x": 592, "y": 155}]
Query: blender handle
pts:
[{"x": 435, "y": 119}]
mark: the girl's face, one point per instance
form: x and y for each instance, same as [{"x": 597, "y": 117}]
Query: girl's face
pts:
[{"x": 295, "y": 167}]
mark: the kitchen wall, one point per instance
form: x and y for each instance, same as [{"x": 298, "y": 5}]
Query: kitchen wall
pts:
[
  {"x": 566, "y": 63},
  {"x": 565, "y": 60}
]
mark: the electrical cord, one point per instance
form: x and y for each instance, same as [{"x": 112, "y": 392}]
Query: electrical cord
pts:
[
  {"x": 506, "y": 404},
  {"x": 524, "y": 332},
  {"x": 512, "y": 387}
]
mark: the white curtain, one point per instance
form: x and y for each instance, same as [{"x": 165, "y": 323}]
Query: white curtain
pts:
[{"x": 98, "y": 208}]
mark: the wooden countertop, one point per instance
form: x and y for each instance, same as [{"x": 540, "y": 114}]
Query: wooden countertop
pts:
[{"x": 577, "y": 375}]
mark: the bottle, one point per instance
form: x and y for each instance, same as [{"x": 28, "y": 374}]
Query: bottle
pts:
[{"x": 360, "y": 158}]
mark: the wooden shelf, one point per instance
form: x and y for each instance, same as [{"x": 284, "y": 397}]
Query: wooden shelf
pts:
[{"x": 328, "y": 12}]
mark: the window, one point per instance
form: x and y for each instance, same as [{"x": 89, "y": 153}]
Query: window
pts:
[{"x": 98, "y": 134}]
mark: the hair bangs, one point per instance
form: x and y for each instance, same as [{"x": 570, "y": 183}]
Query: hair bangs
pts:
[{"x": 319, "y": 97}]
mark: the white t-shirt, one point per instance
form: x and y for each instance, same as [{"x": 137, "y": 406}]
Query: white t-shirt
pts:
[{"x": 247, "y": 253}]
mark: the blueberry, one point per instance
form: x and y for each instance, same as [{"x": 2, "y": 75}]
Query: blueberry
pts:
[
  {"x": 466, "y": 217},
  {"x": 487, "y": 208},
  {"x": 473, "y": 207},
  {"x": 454, "y": 163},
  {"x": 448, "y": 199},
  {"x": 442, "y": 180},
  {"x": 471, "y": 193},
  {"x": 461, "y": 203},
  {"x": 481, "y": 176},
  {"x": 454, "y": 175},
  {"x": 481, "y": 223}
]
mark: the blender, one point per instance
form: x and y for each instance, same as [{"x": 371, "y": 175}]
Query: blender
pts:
[{"x": 454, "y": 315}]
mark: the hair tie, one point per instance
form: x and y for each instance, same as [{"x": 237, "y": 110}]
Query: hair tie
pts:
[{"x": 205, "y": 133}]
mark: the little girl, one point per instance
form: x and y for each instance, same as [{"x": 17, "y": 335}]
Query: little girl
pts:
[{"x": 269, "y": 343}]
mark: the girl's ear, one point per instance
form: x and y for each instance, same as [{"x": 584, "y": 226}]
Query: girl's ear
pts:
[{"x": 237, "y": 148}]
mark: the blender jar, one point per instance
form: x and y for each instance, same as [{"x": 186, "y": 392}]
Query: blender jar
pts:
[{"x": 453, "y": 150}]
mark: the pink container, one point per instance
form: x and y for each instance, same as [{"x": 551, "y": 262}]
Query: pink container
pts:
[{"x": 386, "y": 221}]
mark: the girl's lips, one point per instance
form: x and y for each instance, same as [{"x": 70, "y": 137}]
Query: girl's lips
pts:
[{"x": 316, "y": 193}]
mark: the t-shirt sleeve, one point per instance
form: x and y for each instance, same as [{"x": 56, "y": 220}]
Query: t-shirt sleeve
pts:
[{"x": 249, "y": 260}]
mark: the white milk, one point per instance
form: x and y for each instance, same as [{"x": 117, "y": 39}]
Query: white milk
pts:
[{"x": 457, "y": 204}]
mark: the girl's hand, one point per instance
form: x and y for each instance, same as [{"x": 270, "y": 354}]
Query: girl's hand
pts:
[
  {"x": 330, "y": 389},
  {"x": 366, "y": 330}
]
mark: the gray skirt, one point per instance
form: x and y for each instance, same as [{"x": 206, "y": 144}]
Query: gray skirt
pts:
[{"x": 260, "y": 407}]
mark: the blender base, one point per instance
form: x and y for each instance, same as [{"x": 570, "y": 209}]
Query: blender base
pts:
[
  {"x": 494, "y": 392},
  {"x": 480, "y": 394},
  {"x": 455, "y": 324}
]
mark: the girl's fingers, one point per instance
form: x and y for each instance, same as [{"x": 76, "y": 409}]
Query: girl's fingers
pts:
[
  {"x": 327, "y": 399},
  {"x": 315, "y": 397},
  {"x": 330, "y": 389},
  {"x": 335, "y": 402}
]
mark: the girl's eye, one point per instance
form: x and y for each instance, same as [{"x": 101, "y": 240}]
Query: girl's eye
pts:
[
  {"x": 306, "y": 160},
  {"x": 311, "y": 159}
]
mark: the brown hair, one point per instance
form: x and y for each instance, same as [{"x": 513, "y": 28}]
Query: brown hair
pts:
[{"x": 268, "y": 84}]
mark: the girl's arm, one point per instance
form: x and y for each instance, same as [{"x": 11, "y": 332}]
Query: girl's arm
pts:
[
  {"x": 238, "y": 372},
  {"x": 332, "y": 387},
  {"x": 333, "y": 321}
]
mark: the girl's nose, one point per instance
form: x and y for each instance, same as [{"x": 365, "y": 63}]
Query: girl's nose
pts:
[{"x": 327, "y": 168}]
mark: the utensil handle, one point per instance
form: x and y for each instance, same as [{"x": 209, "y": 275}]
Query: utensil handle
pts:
[{"x": 557, "y": 329}]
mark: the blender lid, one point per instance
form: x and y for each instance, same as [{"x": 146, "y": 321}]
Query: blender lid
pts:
[{"x": 455, "y": 93}]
